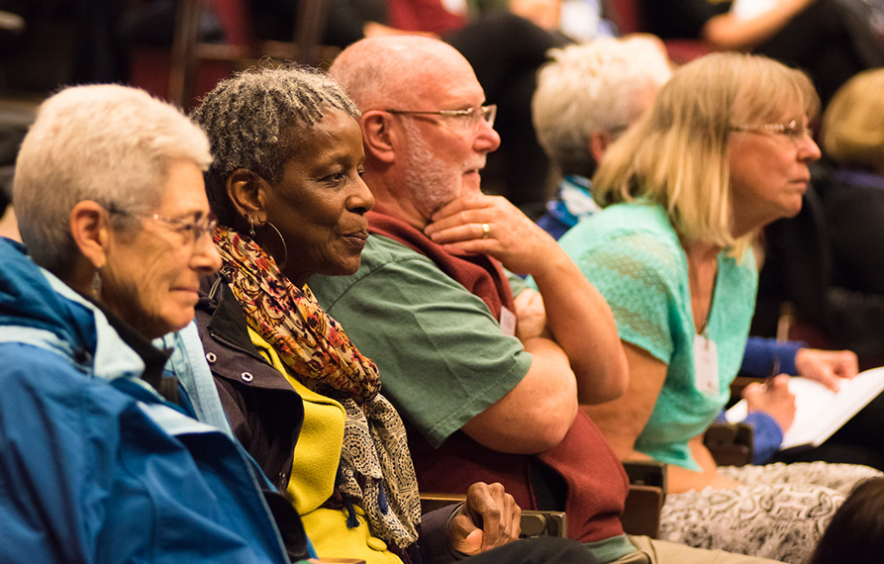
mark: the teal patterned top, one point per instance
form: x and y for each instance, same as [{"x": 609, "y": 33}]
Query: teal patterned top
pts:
[{"x": 632, "y": 255}]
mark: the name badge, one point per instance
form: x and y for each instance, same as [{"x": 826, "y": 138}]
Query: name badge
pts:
[
  {"x": 507, "y": 322},
  {"x": 706, "y": 365}
]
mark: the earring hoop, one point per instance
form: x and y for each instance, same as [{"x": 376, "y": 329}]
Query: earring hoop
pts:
[
  {"x": 285, "y": 249},
  {"x": 251, "y": 226}
]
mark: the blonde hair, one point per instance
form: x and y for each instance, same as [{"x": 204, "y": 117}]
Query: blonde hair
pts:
[
  {"x": 677, "y": 155},
  {"x": 853, "y": 124}
]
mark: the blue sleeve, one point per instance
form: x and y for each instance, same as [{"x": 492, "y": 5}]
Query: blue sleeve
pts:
[
  {"x": 767, "y": 435},
  {"x": 761, "y": 354},
  {"x": 767, "y": 438}
]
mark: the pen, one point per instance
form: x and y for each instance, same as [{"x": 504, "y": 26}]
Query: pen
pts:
[{"x": 784, "y": 324}]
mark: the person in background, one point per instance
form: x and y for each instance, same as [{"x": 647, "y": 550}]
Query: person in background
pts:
[
  {"x": 671, "y": 252},
  {"x": 856, "y": 532},
  {"x": 832, "y": 40},
  {"x": 587, "y": 96},
  {"x": 113, "y": 444},
  {"x": 487, "y": 373},
  {"x": 853, "y": 199}
]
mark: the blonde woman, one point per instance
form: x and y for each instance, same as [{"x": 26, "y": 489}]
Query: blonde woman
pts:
[{"x": 724, "y": 151}]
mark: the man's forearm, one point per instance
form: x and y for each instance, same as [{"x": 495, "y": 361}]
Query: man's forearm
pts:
[{"x": 582, "y": 323}]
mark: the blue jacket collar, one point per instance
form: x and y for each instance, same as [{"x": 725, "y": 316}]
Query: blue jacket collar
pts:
[
  {"x": 574, "y": 201},
  {"x": 38, "y": 308}
]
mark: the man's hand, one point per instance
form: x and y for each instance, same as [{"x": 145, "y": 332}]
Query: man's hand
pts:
[
  {"x": 531, "y": 314},
  {"x": 489, "y": 518},
  {"x": 510, "y": 237},
  {"x": 826, "y": 367},
  {"x": 773, "y": 398}
]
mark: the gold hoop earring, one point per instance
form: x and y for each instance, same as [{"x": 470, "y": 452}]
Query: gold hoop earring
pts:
[{"x": 285, "y": 249}]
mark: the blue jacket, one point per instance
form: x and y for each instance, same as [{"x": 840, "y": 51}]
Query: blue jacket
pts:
[{"x": 95, "y": 465}]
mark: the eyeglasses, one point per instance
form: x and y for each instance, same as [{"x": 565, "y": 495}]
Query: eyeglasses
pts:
[
  {"x": 792, "y": 130},
  {"x": 192, "y": 229},
  {"x": 471, "y": 117}
]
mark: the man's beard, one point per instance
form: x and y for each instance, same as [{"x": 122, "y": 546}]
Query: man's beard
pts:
[{"x": 432, "y": 182}]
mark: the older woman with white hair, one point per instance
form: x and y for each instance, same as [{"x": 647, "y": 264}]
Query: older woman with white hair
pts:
[
  {"x": 114, "y": 449},
  {"x": 684, "y": 191},
  {"x": 586, "y": 97}
]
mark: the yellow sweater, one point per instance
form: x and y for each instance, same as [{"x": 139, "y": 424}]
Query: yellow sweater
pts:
[{"x": 317, "y": 455}]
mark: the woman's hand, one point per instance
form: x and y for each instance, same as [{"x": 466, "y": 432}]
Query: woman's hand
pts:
[
  {"x": 826, "y": 367},
  {"x": 773, "y": 398},
  {"x": 489, "y": 518}
]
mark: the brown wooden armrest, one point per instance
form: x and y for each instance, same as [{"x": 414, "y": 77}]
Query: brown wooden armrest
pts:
[
  {"x": 431, "y": 501},
  {"x": 647, "y": 473},
  {"x": 647, "y": 493},
  {"x": 533, "y": 523},
  {"x": 731, "y": 444}
]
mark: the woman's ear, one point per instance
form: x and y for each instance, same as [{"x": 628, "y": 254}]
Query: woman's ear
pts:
[
  {"x": 90, "y": 230},
  {"x": 248, "y": 193},
  {"x": 377, "y": 136}
]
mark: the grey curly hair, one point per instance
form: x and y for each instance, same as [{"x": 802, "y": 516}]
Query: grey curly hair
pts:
[{"x": 256, "y": 120}]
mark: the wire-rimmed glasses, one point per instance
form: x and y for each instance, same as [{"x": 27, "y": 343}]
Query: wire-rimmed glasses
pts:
[{"x": 471, "y": 116}]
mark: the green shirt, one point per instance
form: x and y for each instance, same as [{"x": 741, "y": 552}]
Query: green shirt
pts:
[
  {"x": 632, "y": 255},
  {"x": 442, "y": 356}
]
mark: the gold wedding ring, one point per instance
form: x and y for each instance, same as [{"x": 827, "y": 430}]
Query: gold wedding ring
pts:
[{"x": 485, "y": 230}]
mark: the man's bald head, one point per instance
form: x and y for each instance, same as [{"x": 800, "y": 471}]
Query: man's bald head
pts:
[
  {"x": 425, "y": 131},
  {"x": 395, "y": 71}
]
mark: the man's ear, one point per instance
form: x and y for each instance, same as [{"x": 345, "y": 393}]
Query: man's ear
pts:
[
  {"x": 598, "y": 144},
  {"x": 248, "y": 193},
  {"x": 378, "y": 136},
  {"x": 90, "y": 228}
]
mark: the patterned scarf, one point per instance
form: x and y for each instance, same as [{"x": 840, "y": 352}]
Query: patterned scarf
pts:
[{"x": 375, "y": 462}]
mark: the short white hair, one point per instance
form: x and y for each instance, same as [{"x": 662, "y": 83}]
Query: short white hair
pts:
[
  {"x": 593, "y": 87},
  {"x": 107, "y": 143}
]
